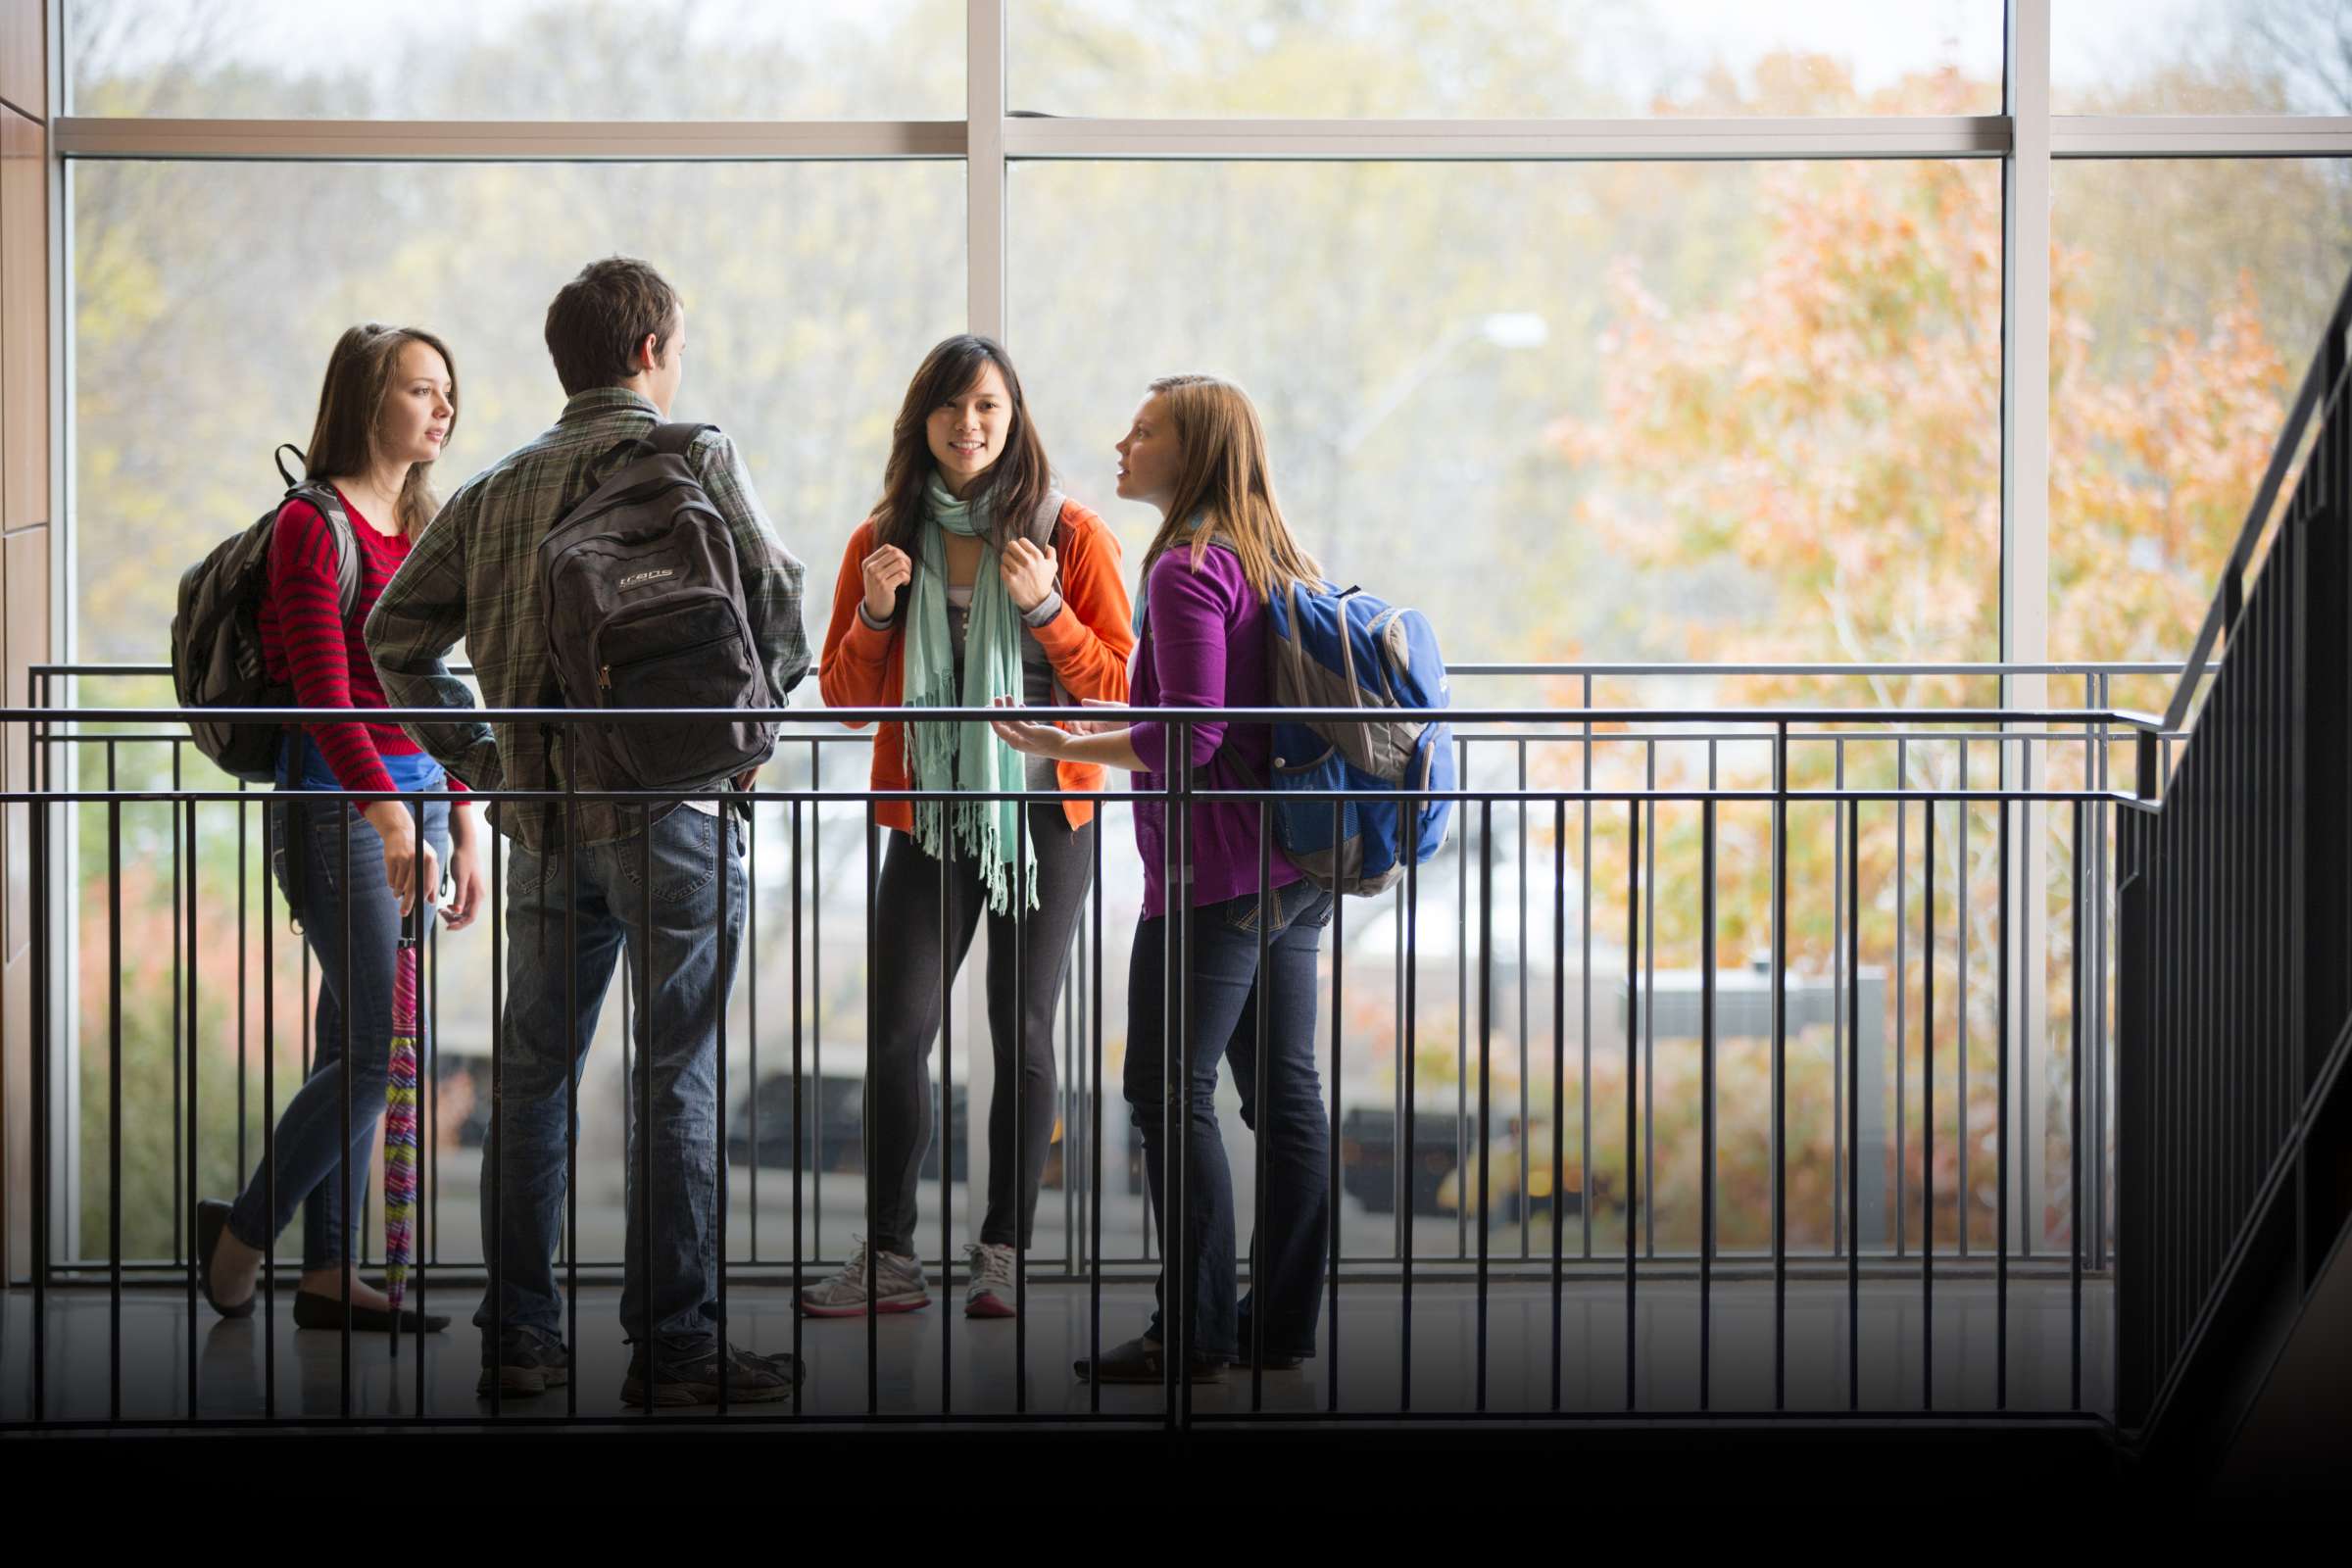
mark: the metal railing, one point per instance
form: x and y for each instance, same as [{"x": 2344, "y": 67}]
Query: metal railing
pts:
[
  {"x": 2236, "y": 1008},
  {"x": 1756, "y": 763}
]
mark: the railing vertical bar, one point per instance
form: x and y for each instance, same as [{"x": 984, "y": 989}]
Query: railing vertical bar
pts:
[
  {"x": 1527, "y": 1219},
  {"x": 1854, "y": 1105},
  {"x": 114, "y": 1093},
  {"x": 569, "y": 847},
  {"x": 947, "y": 1133},
  {"x": 801, "y": 1157},
  {"x": 494, "y": 1153},
  {"x": 1927, "y": 1112},
  {"x": 722, "y": 863},
  {"x": 1960, "y": 881},
  {"x": 2000, "y": 1137},
  {"x": 1559, "y": 1074},
  {"x": 2075, "y": 1133},
  {"x": 1093, "y": 1145},
  {"x": 1779, "y": 1067},
  {"x": 644, "y": 1116},
  {"x": 1022, "y": 1132},
  {"x": 1408, "y": 1120},
  {"x": 195, "y": 965},
  {"x": 817, "y": 1014},
  {"x": 1649, "y": 1014},
  {"x": 183, "y": 1126},
  {"x": 750, "y": 946},
  {"x": 1902, "y": 1000},
  {"x": 343, "y": 1070},
  {"x": 1461, "y": 1015},
  {"x": 1180, "y": 1256},
  {"x": 1486, "y": 1058},
  {"x": 1263, "y": 1025},
  {"x": 39, "y": 814},
  {"x": 243, "y": 950},
  {"x": 1339, "y": 967},
  {"x": 1632, "y": 1072},
  {"x": 1706, "y": 1102},
  {"x": 865, "y": 1115},
  {"x": 1584, "y": 1150},
  {"x": 1845, "y": 1031}
]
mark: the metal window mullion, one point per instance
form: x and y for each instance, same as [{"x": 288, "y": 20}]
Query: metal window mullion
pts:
[
  {"x": 984, "y": 141},
  {"x": 508, "y": 140},
  {"x": 2026, "y": 231},
  {"x": 1539, "y": 140}
]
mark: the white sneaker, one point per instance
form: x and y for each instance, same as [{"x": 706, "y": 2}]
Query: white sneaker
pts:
[
  {"x": 899, "y": 1286},
  {"x": 992, "y": 1289}
]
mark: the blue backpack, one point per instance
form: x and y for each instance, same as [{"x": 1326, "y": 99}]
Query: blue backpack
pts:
[{"x": 1329, "y": 647}]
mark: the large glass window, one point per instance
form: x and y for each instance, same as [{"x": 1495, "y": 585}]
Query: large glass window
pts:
[
  {"x": 199, "y": 343},
  {"x": 1504, "y": 58},
  {"x": 2186, "y": 300},
  {"x": 2200, "y": 57},
  {"x": 1684, "y": 411},
  {"x": 517, "y": 59}
]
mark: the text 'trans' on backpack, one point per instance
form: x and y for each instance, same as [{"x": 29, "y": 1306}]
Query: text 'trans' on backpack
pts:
[
  {"x": 216, "y": 637},
  {"x": 643, "y": 601},
  {"x": 1329, "y": 647}
]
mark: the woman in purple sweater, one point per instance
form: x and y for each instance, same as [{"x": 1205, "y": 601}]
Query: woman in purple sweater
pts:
[{"x": 1197, "y": 452}]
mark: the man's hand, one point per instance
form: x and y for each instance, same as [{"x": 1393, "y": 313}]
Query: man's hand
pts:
[
  {"x": 1028, "y": 574},
  {"x": 411, "y": 869},
  {"x": 886, "y": 570}
]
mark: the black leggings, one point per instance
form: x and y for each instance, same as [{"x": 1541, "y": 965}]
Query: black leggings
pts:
[{"x": 911, "y": 986}]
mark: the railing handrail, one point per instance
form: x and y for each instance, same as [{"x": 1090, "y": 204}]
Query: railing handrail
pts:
[
  {"x": 2124, "y": 717},
  {"x": 2230, "y": 593},
  {"x": 1538, "y": 668}
]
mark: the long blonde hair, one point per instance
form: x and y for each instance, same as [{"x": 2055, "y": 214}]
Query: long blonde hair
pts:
[{"x": 1227, "y": 480}]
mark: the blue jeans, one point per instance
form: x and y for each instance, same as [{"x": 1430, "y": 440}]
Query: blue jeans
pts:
[
  {"x": 1288, "y": 1255},
  {"x": 657, "y": 894},
  {"x": 354, "y": 986}
]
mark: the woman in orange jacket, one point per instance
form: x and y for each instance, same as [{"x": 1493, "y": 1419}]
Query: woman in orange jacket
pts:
[{"x": 973, "y": 580}]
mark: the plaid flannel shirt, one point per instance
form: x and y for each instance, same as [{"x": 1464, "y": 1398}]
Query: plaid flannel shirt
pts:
[{"x": 473, "y": 574}]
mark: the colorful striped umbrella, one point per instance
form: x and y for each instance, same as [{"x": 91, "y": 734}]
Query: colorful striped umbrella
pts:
[{"x": 400, "y": 1132}]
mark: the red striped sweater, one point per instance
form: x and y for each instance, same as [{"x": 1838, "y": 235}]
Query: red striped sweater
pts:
[{"x": 307, "y": 639}]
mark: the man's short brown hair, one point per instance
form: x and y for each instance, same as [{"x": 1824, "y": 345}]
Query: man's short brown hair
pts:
[{"x": 599, "y": 318}]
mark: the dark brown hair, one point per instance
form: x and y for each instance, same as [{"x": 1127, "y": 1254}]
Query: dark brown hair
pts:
[
  {"x": 597, "y": 320},
  {"x": 1015, "y": 485},
  {"x": 351, "y": 402},
  {"x": 1225, "y": 477}
]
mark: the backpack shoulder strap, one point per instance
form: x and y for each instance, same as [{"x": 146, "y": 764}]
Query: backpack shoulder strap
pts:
[
  {"x": 1047, "y": 519},
  {"x": 321, "y": 497},
  {"x": 673, "y": 439}
]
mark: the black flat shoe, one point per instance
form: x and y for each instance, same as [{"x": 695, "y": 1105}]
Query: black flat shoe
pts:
[
  {"x": 211, "y": 1218},
  {"x": 1144, "y": 1361},
  {"x": 312, "y": 1310}
]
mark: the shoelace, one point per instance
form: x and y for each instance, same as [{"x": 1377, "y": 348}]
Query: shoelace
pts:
[{"x": 990, "y": 1265}]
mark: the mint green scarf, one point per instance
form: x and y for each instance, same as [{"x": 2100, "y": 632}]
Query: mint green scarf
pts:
[{"x": 964, "y": 755}]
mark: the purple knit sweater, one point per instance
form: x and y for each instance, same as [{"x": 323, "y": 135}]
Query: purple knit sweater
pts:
[{"x": 1204, "y": 646}]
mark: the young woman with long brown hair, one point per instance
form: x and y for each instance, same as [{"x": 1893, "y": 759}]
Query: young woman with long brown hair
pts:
[
  {"x": 386, "y": 409},
  {"x": 969, "y": 583},
  {"x": 1197, "y": 452}
]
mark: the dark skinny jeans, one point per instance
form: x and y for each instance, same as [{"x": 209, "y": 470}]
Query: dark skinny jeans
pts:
[
  {"x": 1288, "y": 1254},
  {"x": 911, "y": 977}
]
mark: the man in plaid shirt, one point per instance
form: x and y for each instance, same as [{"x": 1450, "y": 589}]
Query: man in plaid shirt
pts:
[{"x": 618, "y": 334}]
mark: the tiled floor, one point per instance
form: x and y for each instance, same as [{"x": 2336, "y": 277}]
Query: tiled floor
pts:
[{"x": 982, "y": 1377}]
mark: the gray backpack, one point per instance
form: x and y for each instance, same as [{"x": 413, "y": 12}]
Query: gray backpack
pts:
[{"x": 645, "y": 608}]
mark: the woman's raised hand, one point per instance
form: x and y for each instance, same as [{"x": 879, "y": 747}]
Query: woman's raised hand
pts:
[
  {"x": 1095, "y": 726},
  {"x": 886, "y": 570},
  {"x": 1028, "y": 574}
]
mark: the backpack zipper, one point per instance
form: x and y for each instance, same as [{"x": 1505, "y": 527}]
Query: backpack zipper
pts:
[{"x": 604, "y": 672}]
